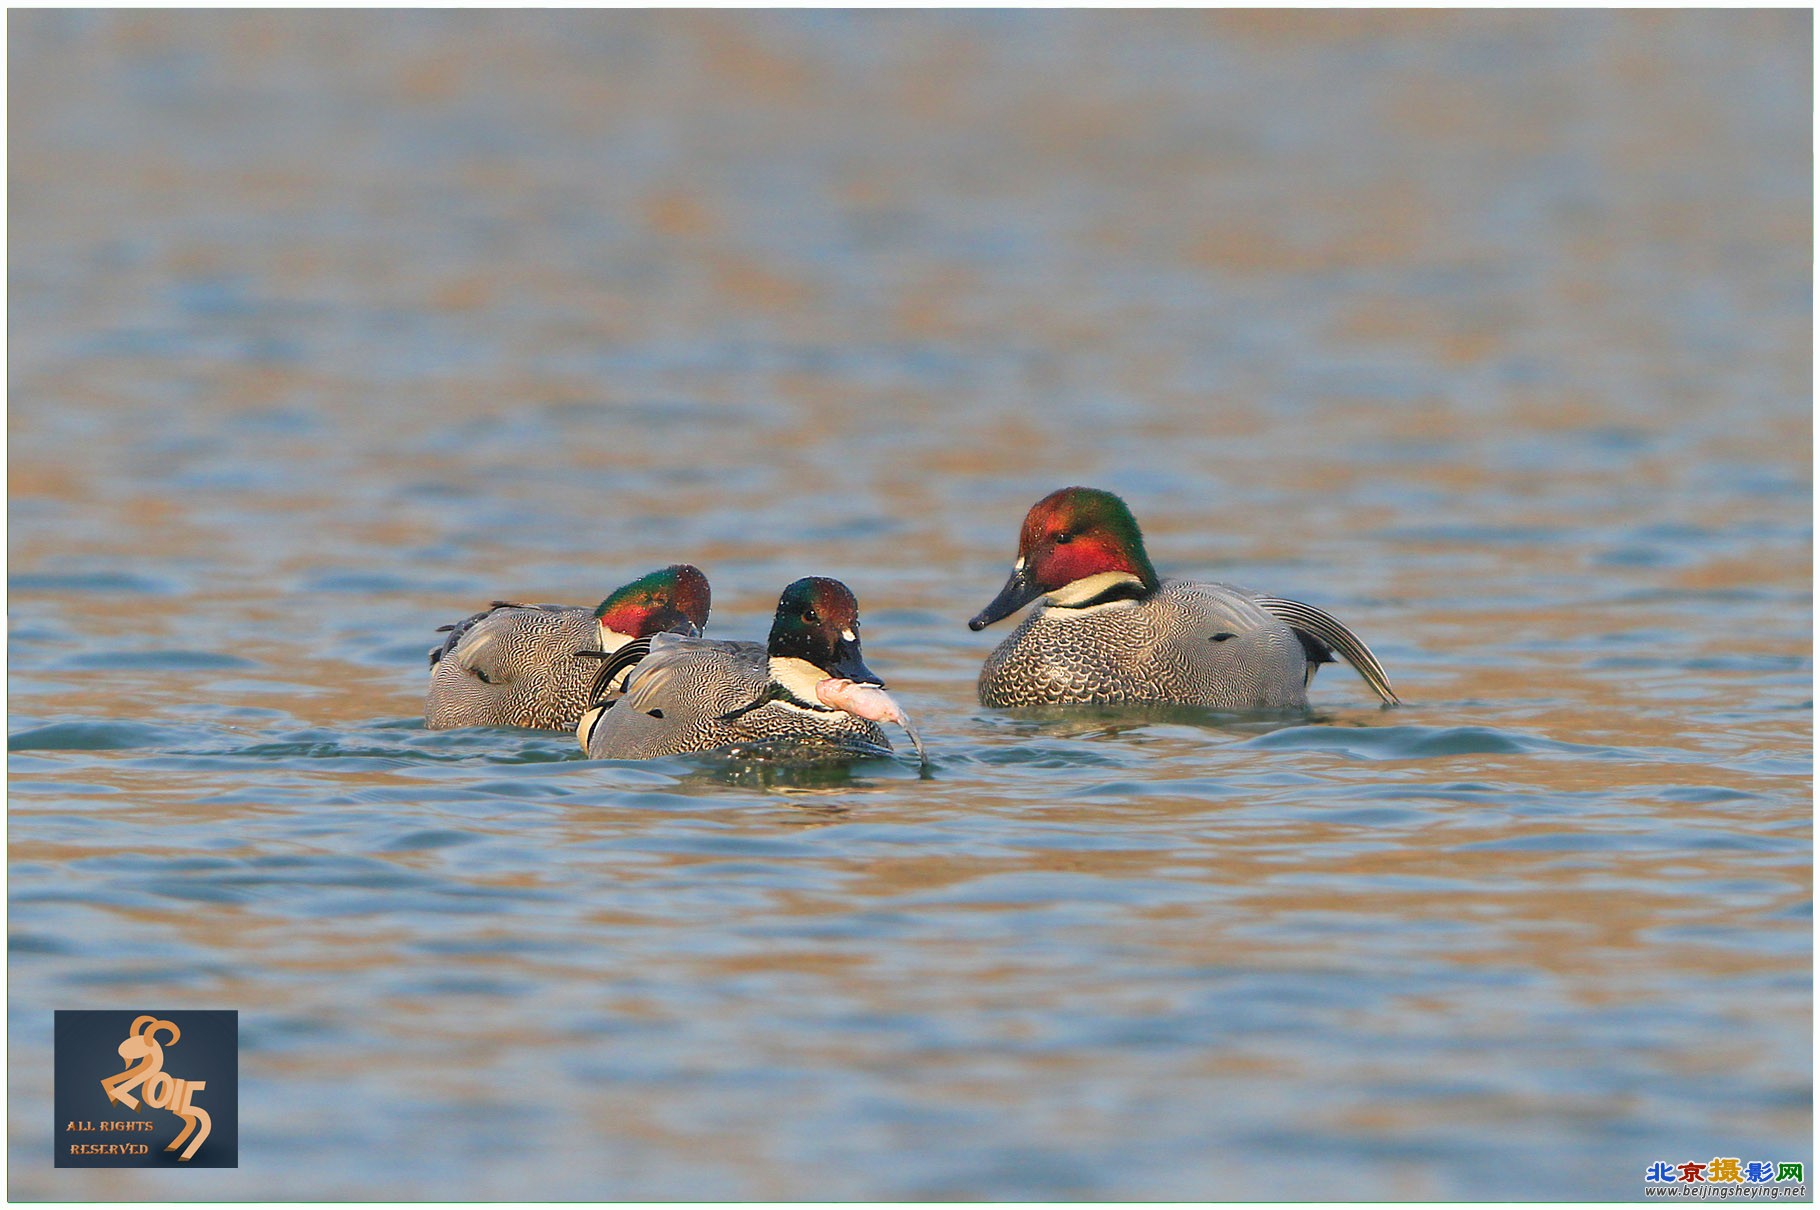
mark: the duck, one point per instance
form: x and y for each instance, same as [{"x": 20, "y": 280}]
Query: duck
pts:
[
  {"x": 808, "y": 683},
  {"x": 1110, "y": 631},
  {"x": 539, "y": 666}
]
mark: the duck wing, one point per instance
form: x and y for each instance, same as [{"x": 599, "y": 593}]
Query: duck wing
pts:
[
  {"x": 677, "y": 668},
  {"x": 673, "y": 697},
  {"x": 457, "y": 631}
]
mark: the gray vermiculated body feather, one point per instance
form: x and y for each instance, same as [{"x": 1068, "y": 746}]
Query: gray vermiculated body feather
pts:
[
  {"x": 514, "y": 666},
  {"x": 676, "y": 696},
  {"x": 1160, "y": 649}
]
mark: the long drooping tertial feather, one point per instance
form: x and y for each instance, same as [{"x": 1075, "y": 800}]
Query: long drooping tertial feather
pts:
[{"x": 1306, "y": 619}]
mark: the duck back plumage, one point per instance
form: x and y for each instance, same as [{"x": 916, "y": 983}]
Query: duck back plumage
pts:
[{"x": 514, "y": 665}]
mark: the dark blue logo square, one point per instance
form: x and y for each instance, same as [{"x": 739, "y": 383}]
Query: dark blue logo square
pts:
[{"x": 147, "y": 1089}]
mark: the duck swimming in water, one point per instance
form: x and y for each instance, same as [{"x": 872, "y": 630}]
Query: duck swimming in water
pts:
[
  {"x": 539, "y": 665},
  {"x": 807, "y": 683},
  {"x": 1110, "y": 631}
]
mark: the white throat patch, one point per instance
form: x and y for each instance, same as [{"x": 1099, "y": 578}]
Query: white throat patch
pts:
[
  {"x": 1088, "y": 587},
  {"x": 799, "y": 676}
]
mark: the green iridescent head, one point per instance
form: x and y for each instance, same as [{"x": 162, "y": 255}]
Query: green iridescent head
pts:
[
  {"x": 817, "y": 621},
  {"x": 674, "y": 599}
]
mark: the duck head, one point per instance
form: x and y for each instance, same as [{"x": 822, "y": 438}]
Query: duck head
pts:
[
  {"x": 1072, "y": 535},
  {"x": 674, "y": 599},
  {"x": 817, "y": 623}
]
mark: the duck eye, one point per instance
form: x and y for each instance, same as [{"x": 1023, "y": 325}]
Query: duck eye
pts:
[{"x": 1063, "y": 538}]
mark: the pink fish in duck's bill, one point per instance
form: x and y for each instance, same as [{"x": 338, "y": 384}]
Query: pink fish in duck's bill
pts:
[{"x": 868, "y": 702}]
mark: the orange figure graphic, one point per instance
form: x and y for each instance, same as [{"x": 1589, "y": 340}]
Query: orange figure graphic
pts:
[{"x": 145, "y": 1065}]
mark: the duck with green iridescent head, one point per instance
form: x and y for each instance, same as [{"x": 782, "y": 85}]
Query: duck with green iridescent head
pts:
[
  {"x": 1109, "y": 631},
  {"x": 807, "y": 684},
  {"x": 514, "y": 665}
]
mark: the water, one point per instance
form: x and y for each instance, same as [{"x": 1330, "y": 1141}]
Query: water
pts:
[{"x": 1489, "y": 333}]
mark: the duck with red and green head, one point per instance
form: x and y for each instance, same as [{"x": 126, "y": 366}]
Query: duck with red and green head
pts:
[
  {"x": 807, "y": 685},
  {"x": 1109, "y": 631},
  {"x": 538, "y": 666}
]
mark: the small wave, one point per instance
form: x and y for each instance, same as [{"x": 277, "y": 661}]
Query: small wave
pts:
[
  {"x": 1411, "y": 742},
  {"x": 91, "y": 737},
  {"x": 174, "y": 660},
  {"x": 97, "y": 581},
  {"x": 1046, "y": 756}
]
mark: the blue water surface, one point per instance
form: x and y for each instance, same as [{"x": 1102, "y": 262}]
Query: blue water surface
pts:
[{"x": 1486, "y": 332}]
